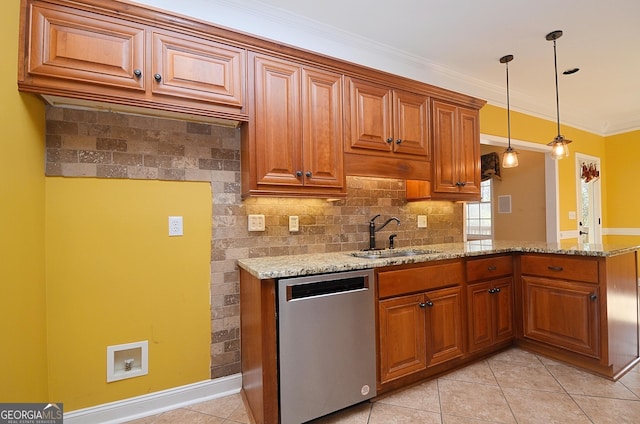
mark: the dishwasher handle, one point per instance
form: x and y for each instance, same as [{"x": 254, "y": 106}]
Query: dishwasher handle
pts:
[{"x": 326, "y": 287}]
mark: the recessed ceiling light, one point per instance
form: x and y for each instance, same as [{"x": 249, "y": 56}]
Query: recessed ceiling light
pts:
[{"x": 571, "y": 71}]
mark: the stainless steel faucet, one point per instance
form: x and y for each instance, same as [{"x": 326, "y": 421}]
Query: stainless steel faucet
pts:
[{"x": 373, "y": 229}]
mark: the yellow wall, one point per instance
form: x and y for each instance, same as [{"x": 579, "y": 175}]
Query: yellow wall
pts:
[
  {"x": 23, "y": 372},
  {"x": 115, "y": 276},
  {"x": 493, "y": 121},
  {"x": 623, "y": 152}
]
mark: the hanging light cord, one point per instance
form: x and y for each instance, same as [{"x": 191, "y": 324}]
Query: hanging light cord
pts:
[
  {"x": 508, "y": 108},
  {"x": 555, "y": 63}
]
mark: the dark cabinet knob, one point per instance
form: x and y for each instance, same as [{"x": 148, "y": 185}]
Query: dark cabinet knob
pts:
[
  {"x": 492, "y": 268},
  {"x": 496, "y": 290},
  {"x": 429, "y": 303},
  {"x": 491, "y": 291},
  {"x": 398, "y": 141},
  {"x": 593, "y": 296},
  {"x": 389, "y": 140},
  {"x": 422, "y": 305},
  {"x": 137, "y": 73},
  {"x": 298, "y": 173},
  {"x": 308, "y": 174},
  {"x": 157, "y": 77}
]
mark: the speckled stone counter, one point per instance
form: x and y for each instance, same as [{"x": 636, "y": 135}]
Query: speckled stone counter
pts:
[{"x": 320, "y": 263}]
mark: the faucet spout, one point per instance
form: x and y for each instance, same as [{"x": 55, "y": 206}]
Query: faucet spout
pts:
[{"x": 373, "y": 229}]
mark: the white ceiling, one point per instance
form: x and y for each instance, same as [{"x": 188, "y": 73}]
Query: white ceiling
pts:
[{"x": 457, "y": 44}]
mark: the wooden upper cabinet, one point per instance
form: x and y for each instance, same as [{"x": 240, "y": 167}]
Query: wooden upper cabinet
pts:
[
  {"x": 194, "y": 68},
  {"x": 387, "y": 121},
  {"x": 72, "y": 51},
  {"x": 456, "y": 134},
  {"x": 69, "y": 48},
  {"x": 296, "y": 146}
]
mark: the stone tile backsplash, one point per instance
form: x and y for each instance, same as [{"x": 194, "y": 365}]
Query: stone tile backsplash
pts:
[{"x": 88, "y": 143}]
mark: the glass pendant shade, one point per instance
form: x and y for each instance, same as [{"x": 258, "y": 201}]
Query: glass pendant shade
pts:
[
  {"x": 559, "y": 148},
  {"x": 509, "y": 158}
]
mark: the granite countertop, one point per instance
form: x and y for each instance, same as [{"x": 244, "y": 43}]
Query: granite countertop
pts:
[{"x": 321, "y": 263}]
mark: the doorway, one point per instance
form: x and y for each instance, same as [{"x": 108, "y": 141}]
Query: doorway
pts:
[{"x": 588, "y": 191}]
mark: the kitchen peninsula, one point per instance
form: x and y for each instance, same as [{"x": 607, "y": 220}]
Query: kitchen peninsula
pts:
[{"x": 574, "y": 303}]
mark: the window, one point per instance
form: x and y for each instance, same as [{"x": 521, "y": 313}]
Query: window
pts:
[{"x": 479, "y": 222}]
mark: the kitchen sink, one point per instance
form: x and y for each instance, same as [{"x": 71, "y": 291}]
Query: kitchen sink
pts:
[{"x": 389, "y": 253}]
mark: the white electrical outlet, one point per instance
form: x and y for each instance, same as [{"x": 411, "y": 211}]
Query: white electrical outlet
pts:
[
  {"x": 422, "y": 221},
  {"x": 256, "y": 223},
  {"x": 294, "y": 224},
  {"x": 175, "y": 226}
]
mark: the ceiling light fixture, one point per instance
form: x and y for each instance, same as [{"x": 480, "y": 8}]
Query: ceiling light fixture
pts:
[
  {"x": 510, "y": 156},
  {"x": 559, "y": 148}
]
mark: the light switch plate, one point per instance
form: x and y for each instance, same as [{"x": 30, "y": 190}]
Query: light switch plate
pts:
[
  {"x": 422, "y": 221},
  {"x": 256, "y": 223},
  {"x": 294, "y": 224}
]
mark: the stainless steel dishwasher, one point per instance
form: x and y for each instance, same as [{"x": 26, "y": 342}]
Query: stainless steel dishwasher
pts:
[{"x": 326, "y": 343}]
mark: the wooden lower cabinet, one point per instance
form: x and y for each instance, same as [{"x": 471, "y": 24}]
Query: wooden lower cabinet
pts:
[
  {"x": 419, "y": 331},
  {"x": 565, "y": 314},
  {"x": 490, "y": 313}
]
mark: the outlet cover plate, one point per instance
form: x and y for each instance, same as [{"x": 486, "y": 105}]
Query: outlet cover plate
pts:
[
  {"x": 422, "y": 221},
  {"x": 175, "y": 226},
  {"x": 294, "y": 224}
]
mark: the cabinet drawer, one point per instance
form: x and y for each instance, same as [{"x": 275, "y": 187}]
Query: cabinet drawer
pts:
[
  {"x": 413, "y": 280},
  {"x": 563, "y": 267},
  {"x": 483, "y": 269}
]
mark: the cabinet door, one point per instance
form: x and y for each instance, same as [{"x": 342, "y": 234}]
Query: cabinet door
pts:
[
  {"x": 411, "y": 125},
  {"x": 370, "y": 117},
  {"x": 277, "y": 122},
  {"x": 479, "y": 303},
  {"x": 75, "y": 47},
  {"x": 456, "y": 140},
  {"x": 444, "y": 337},
  {"x": 402, "y": 337},
  {"x": 197, "y": 69},
  {"x": 503, "y": 309},
  {"x": 322, "y": 128},
  {"x": 562, "y": 313},
  {"x": 469, "y": 150},
  {"x": 445, "y": 158}
]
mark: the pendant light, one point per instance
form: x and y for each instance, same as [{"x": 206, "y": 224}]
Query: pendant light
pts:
[
  {"x": 559, "y": 148},
  {"x": 510, "y": 156}
]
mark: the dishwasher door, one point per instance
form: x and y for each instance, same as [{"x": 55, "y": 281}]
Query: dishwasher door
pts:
[{"x": 327, "y": 349}]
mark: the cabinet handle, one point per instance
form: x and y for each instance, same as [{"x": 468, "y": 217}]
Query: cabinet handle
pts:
[
  {"x": 389, "y": 140},
  {"x": 157, "y": 77},
  {"x": 555, "y": 268},
  {"x": 298, "y": 173},
  {"x": 137, "y": 73},
  {"x": 496, "y": 290},
  {"x": 492, "y": 268},
  {"x": 398, "y": 141},
  {"x": 422, "y": 305},
  {"x": 593, "y": 296},
  {"x": 308, "y": 174},
  {"x": 461, "y": 184},
  {"x": 492, "y": 291},
  {"x": 429, "y": 303}
]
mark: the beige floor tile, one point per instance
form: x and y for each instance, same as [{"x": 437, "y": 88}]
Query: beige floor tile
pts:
[
  {"x": 452, "y": 419},
  {"x": 537, "y": 407},
  {"x": 472, "y": 400},
  {"x": 631, "y": 381},
  {"x": 221, "y": 407},
  {"x": 516, "y": 355},
  {"x": 423, "y": 396},
  {"x": 577, "y": 382},
  {"x": 358, "y": 414},
  {"x": 519, "y": 375},
  {"x": 389, "y": 414},
  {"x": 479, "y": 372},
  {"x": 240, "y": 415},
  {"x": 609, "y": 411},
  {"x": 181, "y": 415}
]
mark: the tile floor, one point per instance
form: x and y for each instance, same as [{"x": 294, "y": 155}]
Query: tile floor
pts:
[{"x": 510, "y": 387}]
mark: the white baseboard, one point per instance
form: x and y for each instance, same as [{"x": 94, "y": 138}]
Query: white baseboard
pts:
[{"x": 155, "y": 403}]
